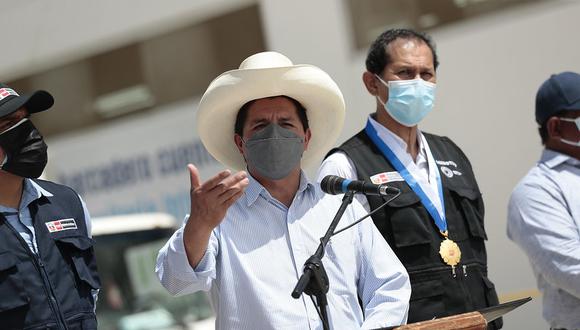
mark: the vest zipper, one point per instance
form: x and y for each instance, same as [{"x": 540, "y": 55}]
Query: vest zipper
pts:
[
  {"x": 460, "y": 269},
  {"x": 434, "y": 269},
  {"x": 37, "y": 262}
]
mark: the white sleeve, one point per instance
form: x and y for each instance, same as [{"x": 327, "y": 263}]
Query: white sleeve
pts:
[
  {"x": 554, "y": 249},
  {"x": 339, "y": 164},
  {"x": 176, "y": 274}
]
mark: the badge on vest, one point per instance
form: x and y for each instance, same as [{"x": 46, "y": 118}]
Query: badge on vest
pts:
[
  {"x": 386, "y": 177},
  {"x": 60, "y": 225},
  {"x": 450, "y": 252},
  {"x": 448, "y": 168}
]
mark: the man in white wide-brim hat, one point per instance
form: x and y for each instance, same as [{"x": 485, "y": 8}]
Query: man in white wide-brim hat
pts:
[{"x": 248, "y": 235}]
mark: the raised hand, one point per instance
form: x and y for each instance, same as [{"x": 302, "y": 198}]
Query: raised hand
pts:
[{"x": 209, "y": 203}]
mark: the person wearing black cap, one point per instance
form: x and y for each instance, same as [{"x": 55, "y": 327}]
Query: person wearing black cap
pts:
[
  {"x": 544, "y": 208},
  {"x": 48, "y": 275}
]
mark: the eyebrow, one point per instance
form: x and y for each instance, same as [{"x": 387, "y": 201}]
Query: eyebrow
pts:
[
  {"x": 259, "y": 120},
  {"x": 267, "y": 120}
]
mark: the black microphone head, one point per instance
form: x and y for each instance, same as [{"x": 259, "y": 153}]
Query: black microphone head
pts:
[
  {"x": 385, "y": 190},
  {"x": 332, "y": 184}
]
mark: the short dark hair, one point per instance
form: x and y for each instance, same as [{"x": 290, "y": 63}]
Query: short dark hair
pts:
[
  {"x": 243, "y": 113},
  {"x": 378, "y": 57}
]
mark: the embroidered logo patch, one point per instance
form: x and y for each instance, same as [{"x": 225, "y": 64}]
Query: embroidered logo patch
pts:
[
  {"x": 5, "y": 92},
  {"x": 447, "y": 168},
  {"x": 386, "y": 177},
  {"x": 60, "y": 225}
]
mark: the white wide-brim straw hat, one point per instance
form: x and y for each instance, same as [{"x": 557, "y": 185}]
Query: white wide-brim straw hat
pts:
[{"x": 264, "y": 75}]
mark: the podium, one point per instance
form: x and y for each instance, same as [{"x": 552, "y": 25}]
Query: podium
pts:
[
  {"x": 477, "y": 320},
  {"x": 466, "y": 321}
]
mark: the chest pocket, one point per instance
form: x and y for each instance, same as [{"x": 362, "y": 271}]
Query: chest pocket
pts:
[
  {"x": 12, "y": 294},
  {"x": 465, "y": 203},
  {"x": 79, "y": 249},
  {"x": 409, "y": 219}
]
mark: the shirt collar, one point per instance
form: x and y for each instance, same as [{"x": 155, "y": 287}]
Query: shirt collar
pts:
[
  {"x": 553, "y": 158},
  {"x": 38, "y": 190},
  {"x": 388, "y": 137},
  {"x": 31, "y": 191},
  {"x": 255, "y": 189}
]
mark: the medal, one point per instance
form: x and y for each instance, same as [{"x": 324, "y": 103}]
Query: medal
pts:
[{"x": 450, "y": 252}]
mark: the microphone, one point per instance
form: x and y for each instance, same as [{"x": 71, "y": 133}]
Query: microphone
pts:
[{"x": 334, "y": 185}]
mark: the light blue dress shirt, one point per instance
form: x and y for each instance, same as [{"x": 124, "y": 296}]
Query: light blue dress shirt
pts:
[
  {"x": 544, "y": 220},
  {"x": 255, "y": 257}
]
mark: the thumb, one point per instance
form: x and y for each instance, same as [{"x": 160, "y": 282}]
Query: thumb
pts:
[{"x": 193, "y": 176}]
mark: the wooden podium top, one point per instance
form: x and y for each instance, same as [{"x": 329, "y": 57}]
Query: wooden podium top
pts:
[{"x": 466, "y": 321}]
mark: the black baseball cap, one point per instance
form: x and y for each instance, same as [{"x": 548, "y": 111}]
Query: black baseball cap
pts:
[
  {"x": 10, "y": 100},
  {"x": 560, "y": 92}
]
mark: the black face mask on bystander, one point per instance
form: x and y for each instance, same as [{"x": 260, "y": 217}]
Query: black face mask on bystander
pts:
[{"x": 25, "y": 150}]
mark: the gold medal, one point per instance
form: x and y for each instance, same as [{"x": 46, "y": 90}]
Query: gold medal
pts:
[{"x": 450, "y": 252}]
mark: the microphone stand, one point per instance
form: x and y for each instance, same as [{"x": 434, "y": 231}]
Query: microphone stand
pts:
[{"x": 314, "y": 281}]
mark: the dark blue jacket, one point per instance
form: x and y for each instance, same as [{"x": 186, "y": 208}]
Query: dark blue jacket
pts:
[{"x": 51, "y": 290}]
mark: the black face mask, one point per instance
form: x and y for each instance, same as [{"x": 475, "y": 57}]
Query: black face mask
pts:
[{"x": 25, "y": 149}]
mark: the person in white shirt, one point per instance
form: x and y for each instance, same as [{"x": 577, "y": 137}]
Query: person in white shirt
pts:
[
  {"x": 544, "y": 208},
  {"x": 249, "y": 234}
]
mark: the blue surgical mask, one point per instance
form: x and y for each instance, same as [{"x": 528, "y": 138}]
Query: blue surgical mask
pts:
[{"x": 409, "y": 100}]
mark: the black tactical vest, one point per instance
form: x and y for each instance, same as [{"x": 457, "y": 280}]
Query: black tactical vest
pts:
[
  {"x": 412, "y": 234},
  {"x": 51, "y": 290}
]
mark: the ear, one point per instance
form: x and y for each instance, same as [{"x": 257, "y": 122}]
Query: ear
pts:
[
  {"x": 553, "y": 128},
  {"x": 239, "y": 143},
  {"x": 371, "y": 83},
  {"x": 307, "y": 136}
]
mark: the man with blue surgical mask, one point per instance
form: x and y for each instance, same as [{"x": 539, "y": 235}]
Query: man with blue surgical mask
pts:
[
  {"x": 436, "y": 225},
  {"x": 544, "y": 208},
  {"x": 250, "y": 233}
]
